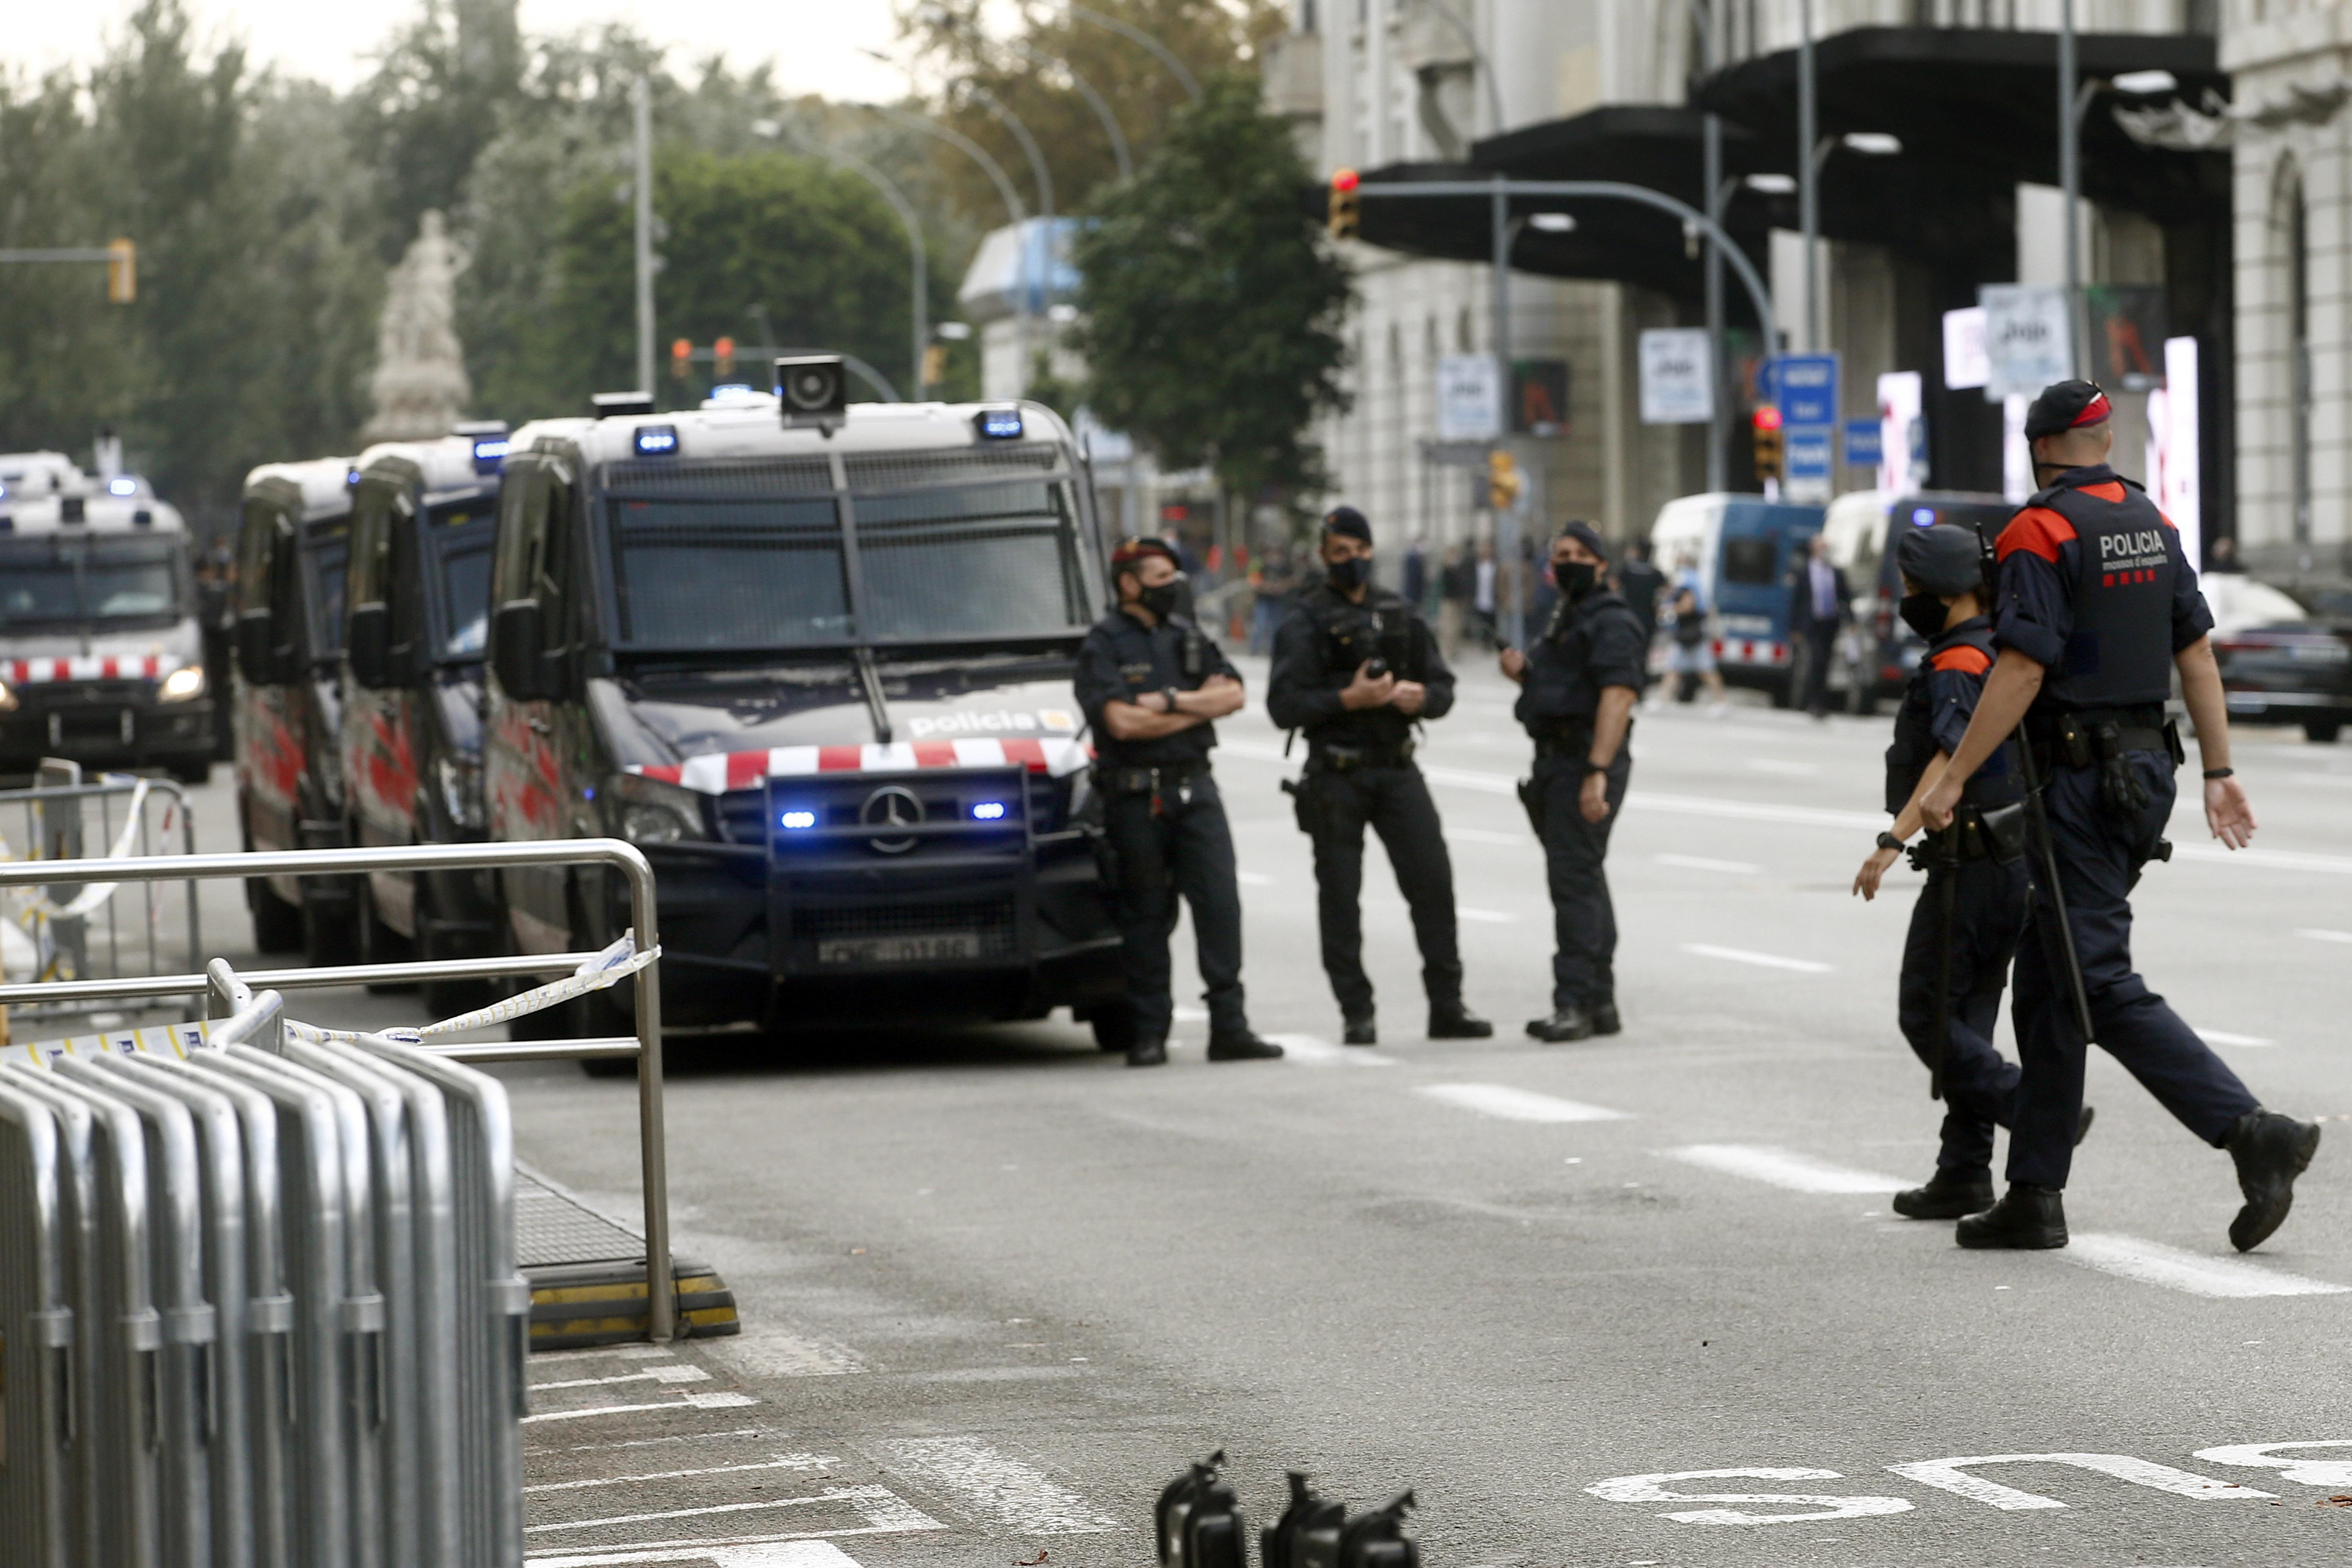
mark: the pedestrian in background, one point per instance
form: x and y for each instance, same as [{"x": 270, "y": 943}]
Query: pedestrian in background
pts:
[
  {"x": 1355, "y": 669},
  {"x": 1482, "y": 598},
  {"x": 1412, "y": 583},
  {"x": 2097, "y": 610},
  {"x": 1152, "y": 687},
  {"x": 1579, "y": 681},
  {"x": 1640, "y": 583},
  {"x": 1690, "y": 651},
  {"x": 1453, "y": 602},
  {"x": 1820, "y": 599}
]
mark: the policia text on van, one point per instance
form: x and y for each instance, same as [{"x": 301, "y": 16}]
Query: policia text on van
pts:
[{"x": 820, "y": 671}]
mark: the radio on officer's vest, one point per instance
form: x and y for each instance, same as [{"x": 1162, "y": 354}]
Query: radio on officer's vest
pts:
[
  {"x": 1199, "y": 1521},
  {"x": 1308, "y": 1534}
]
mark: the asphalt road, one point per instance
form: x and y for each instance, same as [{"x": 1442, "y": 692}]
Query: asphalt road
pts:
[{"x": 1632, "y": 1301}]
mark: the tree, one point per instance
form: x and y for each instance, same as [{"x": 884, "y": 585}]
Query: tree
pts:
[{"x": 1209, "y": 308}]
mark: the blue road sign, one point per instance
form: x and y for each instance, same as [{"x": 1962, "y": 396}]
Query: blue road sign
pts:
[
  {"x": 1862, "y": 443},
  {"x": 1806, "y": 387},
  {"x": 1805, "y": 453}
]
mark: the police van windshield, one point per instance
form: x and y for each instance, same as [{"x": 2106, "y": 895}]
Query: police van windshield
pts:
[
  {"x": 957, "y": 563},
  {"x": 457, "y": 553},
  {"x": 66, "y": 580}
]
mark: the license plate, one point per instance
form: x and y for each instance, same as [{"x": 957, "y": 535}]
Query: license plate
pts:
[{"x": 928, "y": 948}]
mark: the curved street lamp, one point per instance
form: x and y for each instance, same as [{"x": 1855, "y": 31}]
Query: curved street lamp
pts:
[
  {"x": 1095, "y": 101},
  {"x": 919, "y": 300},
  {"x": 1192, "y": 84}
]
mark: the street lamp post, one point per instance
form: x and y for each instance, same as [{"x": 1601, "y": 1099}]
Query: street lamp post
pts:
[
  {"x": 1809, "y": 198},
  {"x": 1719, "y": 422},
  {"x": 641, "y": 104},
  {"x": 2070, "y": 181},
  {"x": 1133, "y": 34},
  {"x": 1119, "y": 154}
]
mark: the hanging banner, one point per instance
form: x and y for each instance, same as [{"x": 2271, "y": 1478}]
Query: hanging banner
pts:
[
  {"x": 1902, "y": 432},
  {"x": 1678, "y": 376},
  {"x": 1965, "y": 365},
  {"x": 2026, "y": 334}
]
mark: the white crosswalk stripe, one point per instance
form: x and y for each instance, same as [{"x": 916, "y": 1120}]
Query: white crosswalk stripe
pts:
[
  {"x": 1509, "y": 1104},
  {"x": 2153, "y": 1263},
  {"x": 1784, "y": 1168}
]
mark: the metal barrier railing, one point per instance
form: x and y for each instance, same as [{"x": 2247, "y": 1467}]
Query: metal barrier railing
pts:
[
  {"x": 613, "y": 853},
  {"x": 95, "y": 935}
]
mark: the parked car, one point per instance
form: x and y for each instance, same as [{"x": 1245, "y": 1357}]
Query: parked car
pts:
[
  {"x": 2281, "y": 664},
  {"x": 1743, "y": 547}
]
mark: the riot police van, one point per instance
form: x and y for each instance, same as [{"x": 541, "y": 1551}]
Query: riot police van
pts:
[
  {"x": 815, "y": 661},
  {"x": 417, "y": 623},
  {"x": 102, "y": 659},
  {"x": 292, "y": 550}
]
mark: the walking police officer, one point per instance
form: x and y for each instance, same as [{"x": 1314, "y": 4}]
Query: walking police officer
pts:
[
  {"x": 1965, "y": 926},
  {"x": 1152, "y": 687},
  {"x": 2098, "y": 607},
  {"x": 1355, "y": 667},
  {"x": 1580, "y": 679}
]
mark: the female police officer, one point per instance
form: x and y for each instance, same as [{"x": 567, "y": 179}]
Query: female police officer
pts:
[{"x": 2097, "y": 607}]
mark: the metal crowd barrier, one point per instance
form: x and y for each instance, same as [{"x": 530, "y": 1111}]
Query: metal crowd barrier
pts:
[
  {"x": 63, "y": 818},
  {"x": 259, "y": 1301}
]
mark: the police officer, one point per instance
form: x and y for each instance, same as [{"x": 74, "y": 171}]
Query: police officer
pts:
[
  {"x": 1965, "y": 926},
  {"x": 1355, "y": 667},
  {"x": 1152, "y": 687},
  {"x": 1580, "y": 679},
  {"x": 2098, "y": 607}
]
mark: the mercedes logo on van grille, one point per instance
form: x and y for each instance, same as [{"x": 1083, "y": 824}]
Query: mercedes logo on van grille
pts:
[{"x": 892, "y": 806}]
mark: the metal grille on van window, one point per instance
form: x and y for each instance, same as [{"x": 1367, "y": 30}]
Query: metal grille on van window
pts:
[
  {"x": 721, "y": 476},
  {"x": 955, "y": 465}
]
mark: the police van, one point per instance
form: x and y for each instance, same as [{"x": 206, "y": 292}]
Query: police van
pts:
[
  {"x": 416, "y": 625},
  {"x": 1743, "y": 549},
  {"x": 287, "y": 640},
  {"x": 101, "y": 657},
  {"x": 815, "y": 661}
]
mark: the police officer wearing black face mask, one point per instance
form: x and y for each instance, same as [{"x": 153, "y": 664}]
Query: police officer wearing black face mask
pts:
[
  {"x": 1355, "y": 667},
  {"x": 1152, "y": 685},
  {"x": 1965, "y": 926},
  {"x": 1580, "y": 679},
  {"x": 2097, "y": 607}
]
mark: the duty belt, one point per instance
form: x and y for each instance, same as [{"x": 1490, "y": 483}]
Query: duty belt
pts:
[
  {"x": 2085, "y": 737},
  {"x": 1575, "y": 743},
  {"x": 1150, "y": 781},
  {"x": 1324, "y": 756}
]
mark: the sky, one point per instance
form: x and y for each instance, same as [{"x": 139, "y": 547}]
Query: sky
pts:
[{"x": 812, "y": 44}]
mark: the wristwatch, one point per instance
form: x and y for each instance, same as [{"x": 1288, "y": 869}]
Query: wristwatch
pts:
[
  {"x": 1593, "y": 767},
  {"x": 1888, "y": 841},
  {"x": 1168, "y": 695}
]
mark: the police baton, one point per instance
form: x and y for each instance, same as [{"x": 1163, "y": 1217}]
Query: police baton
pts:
[{"x": 2037, "y": 819}]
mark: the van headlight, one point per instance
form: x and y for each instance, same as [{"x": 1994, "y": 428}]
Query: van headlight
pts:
[
  {"x": 460, "y": 779},
  {"x": 184, "y": 684},
  {"x": 648, "y": 811}
]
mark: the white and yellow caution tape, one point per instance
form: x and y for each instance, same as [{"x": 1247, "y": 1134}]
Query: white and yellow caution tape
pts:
[{"x": 160, "y": 1040}]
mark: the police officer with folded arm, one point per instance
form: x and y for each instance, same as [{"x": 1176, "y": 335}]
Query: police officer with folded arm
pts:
[
  {"x": 2097, "y": 607},
  {"x": 1356, "y": 667},
  {"x": 1152, "y": 687},
  {"x": 1578, "y": 683},
  {"x": 1965, "y": 924}
]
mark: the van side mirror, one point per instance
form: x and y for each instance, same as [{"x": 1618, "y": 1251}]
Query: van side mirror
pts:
[
  {"x": 256, "y": 648},
  {"x": 368, "y": 640},
  {"x": 514, "y": 649}
]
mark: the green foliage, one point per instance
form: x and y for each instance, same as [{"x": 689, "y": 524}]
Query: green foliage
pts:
[{"x": 1210, "y": 310}]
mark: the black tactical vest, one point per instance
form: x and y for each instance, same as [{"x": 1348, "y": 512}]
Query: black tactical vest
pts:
[
  {"x": 1348, "y": 635},
  {"x": 1997, "y": 782},
  {"x": 2120, "y": 654}
]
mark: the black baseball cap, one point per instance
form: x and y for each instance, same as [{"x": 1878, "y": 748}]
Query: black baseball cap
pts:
[
  {"x": 2063, "y": 405},
  {"x": 1941, "y": 558},
  {"x": 1347, "y": 520},
  {"x": 1585, "y": 533}
]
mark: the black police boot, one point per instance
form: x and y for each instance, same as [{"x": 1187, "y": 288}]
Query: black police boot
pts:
[
  {"x": 1359, "y": 1031},
  {"x": 2028, "y": 1218},
  {"x": 1940, "y": 1199},
  {"x": 1604, "y": 1018},
  {"x": 1567, "y": 1024},
  {"x": 1242, "y": 1047},
  {"x": 2271, "y": 1150},
  {"x": 1150, "y": 1051},
  {"x": 1453, "y": 1021}
]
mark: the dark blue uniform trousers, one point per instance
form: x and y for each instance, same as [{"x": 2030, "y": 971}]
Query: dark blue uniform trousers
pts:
[
  {"x": 2099, "y": 859},
  {"x": 1584, "y": 922},
  {"x": 1186, "y": 848},
  {"x": 1979, "y": 1083},
  {"x": 1393, "y": 803}
]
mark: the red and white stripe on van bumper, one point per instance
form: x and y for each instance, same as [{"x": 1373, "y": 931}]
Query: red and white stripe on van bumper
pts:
[
  {"x": 87, "y": 667},
  {"x": 1751, "y": 650},
  {"x": 723, "y": 771}
]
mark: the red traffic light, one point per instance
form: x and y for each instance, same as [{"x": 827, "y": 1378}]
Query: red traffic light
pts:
[
  {"x": 1345, "y": 179},
  {"x": 1767, "y": 418}
]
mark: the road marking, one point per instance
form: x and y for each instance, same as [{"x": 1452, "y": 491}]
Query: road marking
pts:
[
  {"x": 1254, "y": 878},
  {"x": 1775, "y": 765},
  {"x": 781, "y": 1462},
  {"x": 830, "y": 1494},
  {"x": 2336, "y": 1472},
  {"x": 995, "y": 1487},
  {"x": 1489, "y": 917},
  {"x": 2153, "y": 1263},
  {"x": 678, "y": 1372},
  {"x": 652, "y": 1442},
  {"x": 1951, "y": 1475},
  {"x": 1783, "y": 1168},
  {"x": 766, "y": 1351},
  {"x": 1648, "y": 1489},
  {"x": 601, "y": 1352},
  {"x": 750, "y": 1551},
  {"x": 1500, "y": 1100},
  {"x": 1761, "y": 960},
  {"x": 720, "y": 1401},
  {"x": 2223, "y": 1038},
  {"x": 1319, "y": 1052},
  {"x": 1701, "y": 863},
  {"x": 1488, "y": 836},
  {"x": 2345, "y": 936},
  {"x": 884, "y": 1513}
]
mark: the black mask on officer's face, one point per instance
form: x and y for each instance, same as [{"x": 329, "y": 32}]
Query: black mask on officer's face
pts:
[
  {"x": 1162, "y": 599},
  {"x": 1574, "y": 579},
  {"x": 1924, "y": 614},
  {"x": 1350, "y": 575}
]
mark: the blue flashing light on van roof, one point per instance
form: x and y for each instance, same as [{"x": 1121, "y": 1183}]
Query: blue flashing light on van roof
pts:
[
  {"x": 122, "y": 487},
  {"x": 489, "y": 452},
  {"x": 656, "y": 440},
  {"x": 998, "y": 424},
  {"x": 1923, "y": 517}
]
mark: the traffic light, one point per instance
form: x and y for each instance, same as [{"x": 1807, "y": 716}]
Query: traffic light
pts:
[
  {"x": 935, "y": 364},
  {"x": 122, "y": 272},
  {"x": 1767, "y": 430},
  {"x": 681, "y": 358},
  {"x": 1346, "y": 204},
  {"x": 722, "y": 359},
  {"x": 1503, "y": 480}
]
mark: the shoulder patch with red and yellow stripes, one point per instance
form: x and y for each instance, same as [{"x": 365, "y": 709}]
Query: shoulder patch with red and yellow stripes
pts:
[
  {"x": 1964, "y": 658},
  {"x": 2037, "y": 529}
]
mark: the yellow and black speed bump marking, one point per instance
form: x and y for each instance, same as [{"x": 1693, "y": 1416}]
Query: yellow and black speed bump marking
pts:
[{"x": 573, "y": 1305}]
